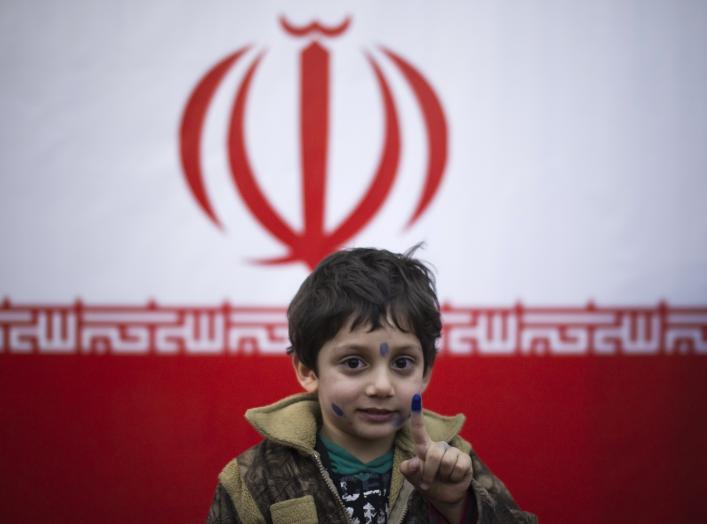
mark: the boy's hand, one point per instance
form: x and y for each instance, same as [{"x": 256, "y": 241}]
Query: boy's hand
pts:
[{"x": 442, "y": 473}]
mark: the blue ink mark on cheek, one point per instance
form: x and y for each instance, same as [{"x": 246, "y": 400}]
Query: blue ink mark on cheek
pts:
[
  {"x": 336, "y": 409},
  {"x": 416, "y": 404},
  {"x": 384, "y": 349}
]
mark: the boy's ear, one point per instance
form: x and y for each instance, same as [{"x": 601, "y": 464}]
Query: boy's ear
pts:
[{"x": 305, "y": 376}]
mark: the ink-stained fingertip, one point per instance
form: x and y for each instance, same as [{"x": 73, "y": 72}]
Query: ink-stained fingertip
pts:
[{"x": 416, "y": 403}]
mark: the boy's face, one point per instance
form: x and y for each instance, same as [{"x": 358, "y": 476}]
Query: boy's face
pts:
[{"x": 365, "y": 383}]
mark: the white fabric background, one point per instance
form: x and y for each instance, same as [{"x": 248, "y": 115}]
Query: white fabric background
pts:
[{"x": 577, "y": 165}]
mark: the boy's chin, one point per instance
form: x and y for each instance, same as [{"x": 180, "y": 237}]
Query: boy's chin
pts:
[{"x": 376, "y": 433}]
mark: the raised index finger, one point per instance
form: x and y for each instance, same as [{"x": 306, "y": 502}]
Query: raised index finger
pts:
[{"x": 417, "y": 427}]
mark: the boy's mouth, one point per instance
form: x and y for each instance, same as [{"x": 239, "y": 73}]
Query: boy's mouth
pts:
[{"x": 377, "y": 414}]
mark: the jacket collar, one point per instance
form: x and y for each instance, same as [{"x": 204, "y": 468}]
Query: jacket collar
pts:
[{"x": 294, "y": 421}]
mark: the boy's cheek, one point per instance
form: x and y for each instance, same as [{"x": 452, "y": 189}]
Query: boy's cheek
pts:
[
  {"x": 400, "y": 420},
  {"x": 339, "y": 400}
]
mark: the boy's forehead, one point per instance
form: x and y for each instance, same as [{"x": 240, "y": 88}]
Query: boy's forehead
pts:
[{"x": 364, "y": 335}]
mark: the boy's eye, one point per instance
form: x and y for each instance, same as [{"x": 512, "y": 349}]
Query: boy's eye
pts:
[
  {"x": 353, "y": 363},
  {"x": 403, "y": 363}
]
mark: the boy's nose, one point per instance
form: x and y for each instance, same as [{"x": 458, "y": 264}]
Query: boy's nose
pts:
[{"x": 380, "y": 384}]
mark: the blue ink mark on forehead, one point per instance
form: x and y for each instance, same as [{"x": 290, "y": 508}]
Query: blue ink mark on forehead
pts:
[
  {"x": 384, "y": 349},
  {"x": 336, "y": 409}
]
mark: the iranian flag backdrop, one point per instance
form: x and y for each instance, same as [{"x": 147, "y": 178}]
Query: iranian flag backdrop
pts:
[{"x": 171, "y": 172}]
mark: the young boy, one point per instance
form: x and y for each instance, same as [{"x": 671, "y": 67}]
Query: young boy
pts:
[{"x": 357, "y": 447}]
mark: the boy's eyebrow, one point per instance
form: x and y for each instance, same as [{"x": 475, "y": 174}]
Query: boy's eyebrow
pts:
[
  {"x": 406, "y": 347},
  {"x": 353, "y": 346}
]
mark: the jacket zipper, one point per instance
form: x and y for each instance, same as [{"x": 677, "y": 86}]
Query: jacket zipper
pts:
[
  {"x": 401, "y": 520},
  {"x": 333, "y": 489},
  {"x": 405, "y": 512},
  {"x": 331, "y": 485}
]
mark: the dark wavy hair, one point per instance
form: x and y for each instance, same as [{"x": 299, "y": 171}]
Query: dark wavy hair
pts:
[{"x": 371, "y": 287}]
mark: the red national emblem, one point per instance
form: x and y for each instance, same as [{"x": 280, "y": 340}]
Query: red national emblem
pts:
[{"x": 312, "y": 243}]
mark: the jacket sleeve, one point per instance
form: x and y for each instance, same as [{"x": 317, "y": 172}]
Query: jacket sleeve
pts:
[
  {"x": 494, "y": 503},
  {"x": 222, "y": 510}
]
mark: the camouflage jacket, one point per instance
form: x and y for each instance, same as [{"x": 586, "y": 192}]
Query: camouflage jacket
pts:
[{"x": 282, "y": 479}]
